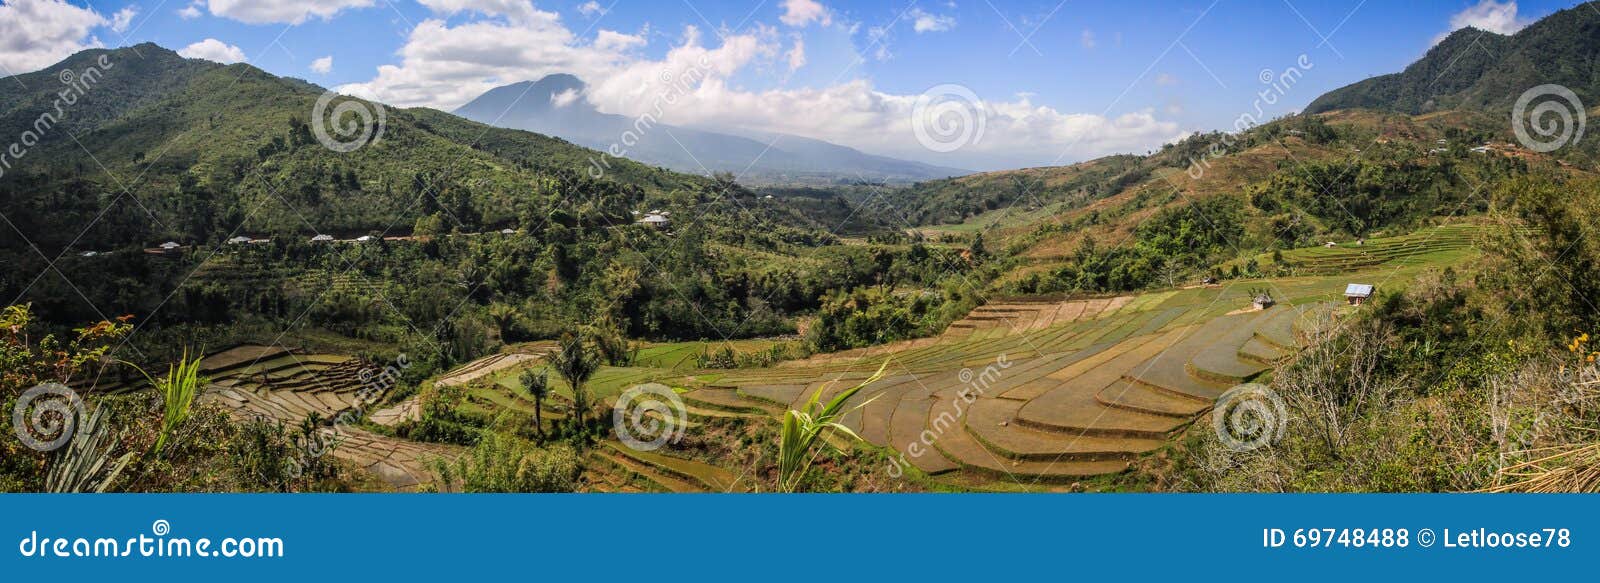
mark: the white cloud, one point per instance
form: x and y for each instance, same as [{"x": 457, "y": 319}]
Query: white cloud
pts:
[
  {"x": 35, "y": 34},
  {"x": 610, "y": 40},
  {"x": 445, "y": 64},
  {"x": 192, "y": 11},
  {"x": 799, "y": 13},
  {"x": 123, "y": 19},
  {"x": 1495, "y": 17},
  {"x": 797, "y": 54},
  {"x": 280, "y": 11},
  {"x": 1087, "y": 39},
  {"x": 925, "y": 22},
  {"x": 1166, "y": 79},
  {"x": 322, "y": 66},
  {"x": 565, "y": 98},
  {"x": 214, "y": 50},
  {"x": 591, "y": 9},
  {"x": 512, "y": 10}
]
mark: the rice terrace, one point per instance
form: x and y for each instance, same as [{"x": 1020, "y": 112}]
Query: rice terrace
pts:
[
  {"x": 1024, "y": 393},
  {"x": 639, "y": 258}
]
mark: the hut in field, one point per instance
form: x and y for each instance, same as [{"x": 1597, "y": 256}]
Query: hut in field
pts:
[
  {"x": 1263, "y": 301},
  {"x": 657, "y": 220},
  {"x": 1357, "y": 293}
]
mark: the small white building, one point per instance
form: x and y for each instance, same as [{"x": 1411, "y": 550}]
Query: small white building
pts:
[
  {"x": 322, "y": 239},
  {"x": 1357, "y": 293},
  {"x": 363, "y": 238},
  {"x": 170, "y": 246},
  {"x": 508, "y": 231},
  {"x": 1263, "y": 301},
  {"x": 656, "y": 220},
  {"x": 239, "y": 240}
]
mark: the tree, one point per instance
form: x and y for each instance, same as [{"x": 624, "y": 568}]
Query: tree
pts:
[
  {"x": 575, "y": 365},
  {"x": 538, "y": 386},
  {"x": 503, "y": 316}
]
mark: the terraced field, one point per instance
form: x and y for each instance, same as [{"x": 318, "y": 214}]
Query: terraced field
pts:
[
  {"x": 1442, "y": 244},
  {"x": 1040, "y": 390},
  {"x": 1025, "y": 391},
  {"x": 289, "y": 386}
]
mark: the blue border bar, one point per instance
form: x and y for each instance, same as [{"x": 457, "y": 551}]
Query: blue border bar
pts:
[{"x": 652, "y": 538}]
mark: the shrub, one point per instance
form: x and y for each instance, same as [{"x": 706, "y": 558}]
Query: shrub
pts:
[{"x": 504, "y": 464}]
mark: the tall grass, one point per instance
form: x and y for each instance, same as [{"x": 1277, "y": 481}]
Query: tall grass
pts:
[
  {"x": 178, "y": 391},
  {"x": 797, "y": 447}
]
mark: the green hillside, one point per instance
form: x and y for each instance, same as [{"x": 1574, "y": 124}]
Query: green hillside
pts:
[
  {"x": 1476, "y": 69},
  {"x": 161, "y": 148}
]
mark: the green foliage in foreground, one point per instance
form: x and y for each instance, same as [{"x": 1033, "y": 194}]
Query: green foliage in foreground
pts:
[
  {"x": 797, "y": 442},
  {"x": 1457, "y": 383},
  {"x": 505, "y": 464}
]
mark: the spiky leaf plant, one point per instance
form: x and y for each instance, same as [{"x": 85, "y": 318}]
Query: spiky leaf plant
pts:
[
  {"x": 178, "y": 390},
  {"x": 82, "y": 466},
  {"x": 802, "y": 428}
]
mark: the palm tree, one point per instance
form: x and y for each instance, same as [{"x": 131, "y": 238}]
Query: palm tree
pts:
[
  {"x": 503, "y": 316},
  {"x": 575, "y": 365},
  {"x": 538, "y": 386}
]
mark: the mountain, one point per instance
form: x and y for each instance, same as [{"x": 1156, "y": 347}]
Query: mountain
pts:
[
  {"x": 555, "y": 106},
  {"x": 152, "y": 147},
  {"x": 1480, "y": 70},
  {"x": 148, "y": 147}
]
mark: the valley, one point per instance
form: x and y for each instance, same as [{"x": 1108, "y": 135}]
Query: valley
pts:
[{"x": 1372, "y": 294}]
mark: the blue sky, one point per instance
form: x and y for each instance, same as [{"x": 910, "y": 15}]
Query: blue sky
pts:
[{"x": 1054, "y": 81}]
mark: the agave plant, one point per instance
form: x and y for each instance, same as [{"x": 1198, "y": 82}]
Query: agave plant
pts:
[
  {"x": 802, "y": 428},
  {"x": 178, "y": 390},
  {"x": 82, "y": 466}
]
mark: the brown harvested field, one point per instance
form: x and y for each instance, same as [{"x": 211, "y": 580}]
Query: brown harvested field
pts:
[
  {"x": 287, "y": 386},
  {"x": 1085, "y": 385},
  {"x": 239, "y": 356}
]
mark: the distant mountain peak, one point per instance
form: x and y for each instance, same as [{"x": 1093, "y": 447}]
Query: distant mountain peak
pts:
[
  {"x": 555, "y": 106},
  {"x": 1475, "y": 69}
]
